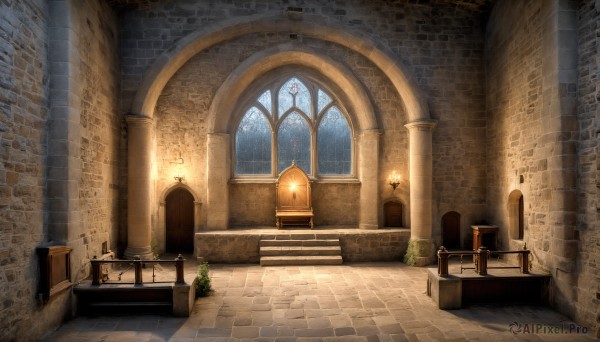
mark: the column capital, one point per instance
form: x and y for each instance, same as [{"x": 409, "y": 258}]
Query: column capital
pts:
[
  {"x": 138, "y": 119},
  {"x": 421, "y": 125}
]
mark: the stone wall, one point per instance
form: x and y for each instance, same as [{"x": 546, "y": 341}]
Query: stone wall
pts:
[
  {"x": 23, "y": 114},
  {"x": 588, "y": 194},
  {"x": 515, "y": 123},
  {"x": 100, "y": 126},
  {"x": 441, "y": 46},
  {"x": 59, "y": 128},
  {"x": 537, "y": 144}
]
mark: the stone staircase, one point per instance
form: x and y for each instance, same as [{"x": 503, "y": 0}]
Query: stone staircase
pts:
[{"x": 301, "y": 250}]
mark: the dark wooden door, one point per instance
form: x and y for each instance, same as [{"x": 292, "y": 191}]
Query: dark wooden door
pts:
[
  {"x": 451, "y": 230},
  {"x": 180, "y": 221},
  {"x": 392, "y": 212}
]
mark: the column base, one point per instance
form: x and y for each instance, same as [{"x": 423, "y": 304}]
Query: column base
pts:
[
  {"x": 144, "y": 253},
  {"x": 420, "y": 253}
]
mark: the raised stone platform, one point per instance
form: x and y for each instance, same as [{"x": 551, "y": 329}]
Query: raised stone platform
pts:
[
  {"x": 499, "y": 286},
  {"x": 234, "y": 246}
]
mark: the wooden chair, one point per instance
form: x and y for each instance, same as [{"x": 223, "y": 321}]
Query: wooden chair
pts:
[{"x": 293, "y": 198}]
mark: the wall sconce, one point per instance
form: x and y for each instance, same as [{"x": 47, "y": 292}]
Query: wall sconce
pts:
[
  {"x": 179, "y": 177},
  {"x": 394, "y": 180}
]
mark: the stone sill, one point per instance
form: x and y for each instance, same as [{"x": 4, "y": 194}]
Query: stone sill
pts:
[{"x": 323, "y": 180}]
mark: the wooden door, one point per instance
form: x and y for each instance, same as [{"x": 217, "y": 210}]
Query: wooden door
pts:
[
  {"x": 451, "y": 230},
  {"x": 180, "y": 222},
  {"x": 392, "y": 212}
]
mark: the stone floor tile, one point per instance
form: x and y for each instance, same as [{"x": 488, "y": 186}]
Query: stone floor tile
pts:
[
  {"x": 323, "y": 332},
  {"x": 318, "y": 323},
  {"x": 344, "y": 331},
  {"x": 245, "y": 332}
]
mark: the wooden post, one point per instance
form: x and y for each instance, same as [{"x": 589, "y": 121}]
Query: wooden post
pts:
[
  {"x": 524, "y": 260},
  {"x": 482, "y": 256},
  {"x": 138, "y": 271},
  {"x": 442, "y": 262},
  {"x": 96, "y": 265},
  {"x": 179, "y": 269}
]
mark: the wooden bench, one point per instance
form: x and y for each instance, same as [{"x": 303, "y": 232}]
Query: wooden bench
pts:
[{"x": 294, "y": 218}]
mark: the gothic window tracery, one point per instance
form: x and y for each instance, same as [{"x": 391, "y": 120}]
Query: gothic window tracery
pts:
[{"x": 303, "y": 123}]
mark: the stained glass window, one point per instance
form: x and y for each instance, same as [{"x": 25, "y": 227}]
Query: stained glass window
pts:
[
  {"x": 334, "y": 143},
  {"x": 253, "y": 144},
  {"x": 297, "y": 107},
  {"x": 294, "y": 143},
  {"x": 294, "y": 93},
  {"x": 323, "y": 101},
  {"x": 265, "y": 100}
]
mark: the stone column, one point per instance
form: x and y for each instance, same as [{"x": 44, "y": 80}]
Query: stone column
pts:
[
  {"x": 368, "y": 172},
  {"x": 217, "y": 174},
  {"x": 420, "y": 138},
  {"x": 139, "y": 186}
]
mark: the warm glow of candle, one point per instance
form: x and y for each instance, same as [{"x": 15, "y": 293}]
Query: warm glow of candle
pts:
[{"x": 293, "y": 187}]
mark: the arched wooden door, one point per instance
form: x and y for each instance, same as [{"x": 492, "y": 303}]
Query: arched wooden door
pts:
[
  {"x": 179, "y": 221},
  {"x": 392, "y": 212},
  {"x": 451, "y": 230}
]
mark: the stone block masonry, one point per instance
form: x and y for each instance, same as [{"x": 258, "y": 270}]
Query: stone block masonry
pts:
[
  {"x": 242, "y": 245},
  {"x": 23, "y": 114}
]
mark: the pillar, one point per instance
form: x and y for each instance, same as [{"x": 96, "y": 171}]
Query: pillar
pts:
[
  {"x": 421, "y": 160},
  {"x": 369, "y": 176},
  {"x": 217, "y": 174},
  {"x": 139, "y": 186}
]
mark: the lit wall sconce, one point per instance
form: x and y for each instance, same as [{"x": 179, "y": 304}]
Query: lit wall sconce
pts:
[{"x": 394, "y": 180}]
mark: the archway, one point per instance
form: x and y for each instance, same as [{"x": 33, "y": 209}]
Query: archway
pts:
[
  {"x": 179, "y": 221},
  {"x": 167, "y": 64},
  {"x": 451, "y": 230},
  {"x": 516, "y": 215}
]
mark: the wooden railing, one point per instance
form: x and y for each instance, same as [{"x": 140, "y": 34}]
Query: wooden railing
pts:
[
  {"x": 138, "y": 266},
  {"x": 480, "y": 258}
]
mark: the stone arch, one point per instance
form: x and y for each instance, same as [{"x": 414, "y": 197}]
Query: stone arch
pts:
[
  {"x": 516, "y": 215},
  {"x": 160, "y": 233},
  {"x": 175, "y": 57},
  {"x": 237, "y": 83}
]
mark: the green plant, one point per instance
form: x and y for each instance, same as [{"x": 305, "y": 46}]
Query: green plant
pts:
[
  {"x": 203, "y": 284},
  {"x": 409, "y": 256},
  {"x": 154, "y": 249}
]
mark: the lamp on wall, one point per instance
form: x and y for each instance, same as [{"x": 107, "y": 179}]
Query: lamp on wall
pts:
[
  {"x": 394, "y": 180},
  {"x": 179, "y": 176}
]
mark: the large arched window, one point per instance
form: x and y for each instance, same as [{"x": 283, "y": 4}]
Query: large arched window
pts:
[{"x": 295, "y": 120}]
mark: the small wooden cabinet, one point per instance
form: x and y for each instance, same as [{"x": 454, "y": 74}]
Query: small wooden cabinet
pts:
[
  {"x": 484, "y": 235},
  {"x": 55, "y": 270}
]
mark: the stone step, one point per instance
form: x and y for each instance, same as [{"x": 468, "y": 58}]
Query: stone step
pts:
[
  {"x": 300, "y": 260},
  {"x": 312, "y": 242},
  {"x": 300, "y": 250}
]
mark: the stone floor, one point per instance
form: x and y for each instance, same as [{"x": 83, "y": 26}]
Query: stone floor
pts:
[{"x": 351, "y": 302}]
